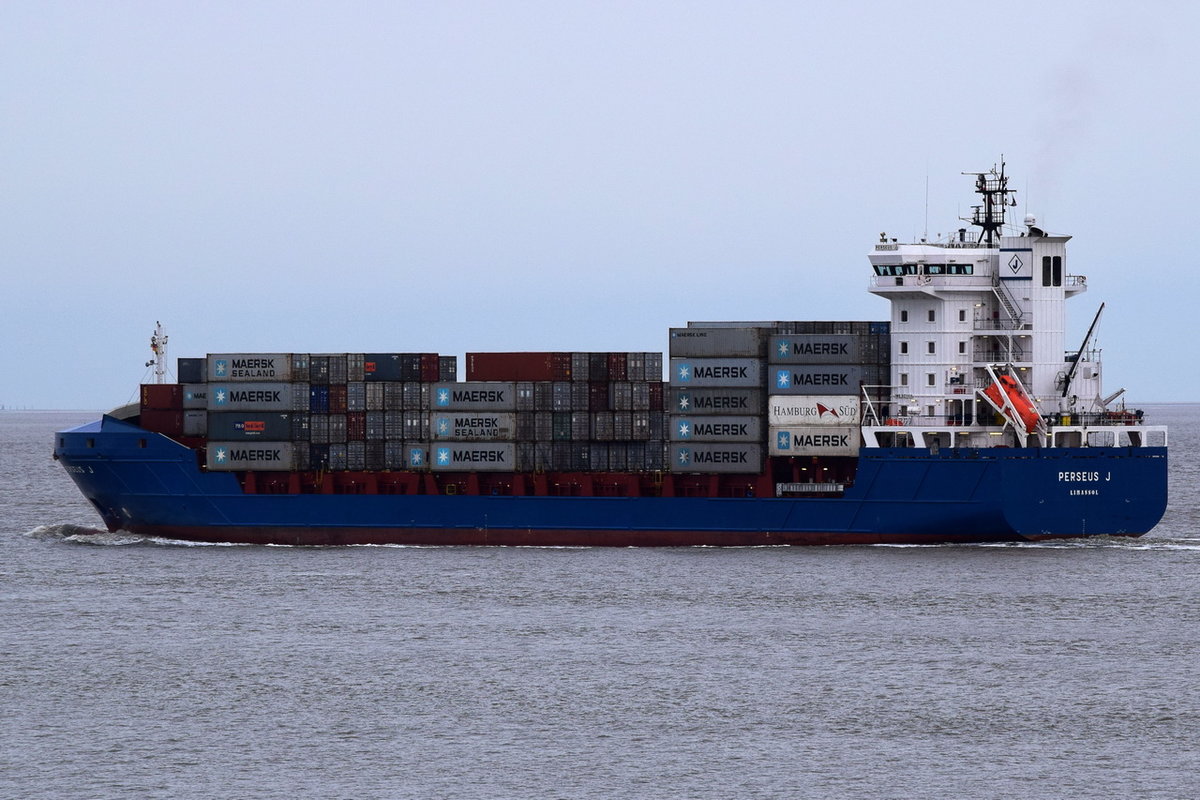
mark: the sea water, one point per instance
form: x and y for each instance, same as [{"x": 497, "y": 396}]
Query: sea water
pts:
[{"x": 132, "y": 667}]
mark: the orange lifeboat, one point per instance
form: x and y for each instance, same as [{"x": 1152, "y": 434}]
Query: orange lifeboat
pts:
[{"x": 1016, "y": 398}]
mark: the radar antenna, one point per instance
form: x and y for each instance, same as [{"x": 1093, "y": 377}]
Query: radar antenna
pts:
[
  {"x": 989, "y": 217},
  {"x": 158, "y": 346}
]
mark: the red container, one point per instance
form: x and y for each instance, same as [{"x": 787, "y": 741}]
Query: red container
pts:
[
  {"x": 430, "y": 368},
  {"x": 337, "y": 399},
  {"x": 356, "y": 426},
  {"x": 518, "y": 366},
  {"x": 158, "y": 420},
  {"x": 162, "y": 396},
  {"x": 656, "y": 396}
]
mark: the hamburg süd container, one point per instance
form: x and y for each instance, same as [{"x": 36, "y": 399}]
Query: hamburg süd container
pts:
[
  {"x": 814, "y": 410},
  {"x": 267, "y": 426}
]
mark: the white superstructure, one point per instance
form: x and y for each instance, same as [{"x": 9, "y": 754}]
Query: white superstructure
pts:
[{"x": 978, "y": 304}]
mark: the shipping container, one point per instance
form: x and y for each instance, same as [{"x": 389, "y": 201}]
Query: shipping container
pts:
[
  {"x": 717, "y": 372},
  {"x": 318, "y": 398},
  {"x": 814, "y": 348},
  {"x": 257, "y": 367},
  {"x": 356, "y": 456},
  {"x": 356, "y": 426},
  {"x": 580, "y": 370},
  {"x": 813, "y": 410},
  {"x": 475, "y": 396},
  {"x": 707, "y": 457},
  {"x": 318, "y": 370},
  {"x": 162, "y": 396},
  {"x": 301, "y": 430},
  {"x": 560, "y": 398},
  {"x": 356, "y": 396},
  {"x": 376, "y": 422},
  {"x": 300, "y": 369},
  {"x": 818, "y": 379},
  {"x": 381, "y": 367},
  {"x": 473, "y": 426},
  {"x": 258, "y": 397},
  {"x": 339, "y": 457},
  {"x": 518, "y": 366},
  {"x": 717, "y": 401},
  {"x": 195, "y": 395},
  {"x": 267, "y": 426},
  {"x": 416, "y": 396},
  {"x": 393, "y": 426},
  {"x": 526, "y": 426},
  {"x": 620, "y": 396},
  {"x": 191, "y": 370},
  {"x": 447, "y": 369},
  {"x": 376, "y": 455},
  {"x": 747, "y": 342},
  {"x": 814, "y": 440},
  {"x": 256, "y": 456},
  {"x": 355, "y": 364},
  {"x": 474, "y": 457},
  {"x": 375, "y": 395},
  {"x": 162, "y": 420},
  {"x": 318, "y": 428},
  {"x": 195, "y": 423},
  {"x": 339, "y": 371},
  {"x": 716, "y": 429}
]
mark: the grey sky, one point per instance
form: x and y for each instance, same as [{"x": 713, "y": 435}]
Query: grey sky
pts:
[{"x": 333, "y": 177}]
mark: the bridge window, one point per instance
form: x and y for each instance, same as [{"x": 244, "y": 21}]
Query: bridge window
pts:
[
  {"x": 932, "y": 347},
  {"x": 904, "y": 315},
  {"x": 932, "y": 315},
  {"x": 904, "y": 348},
  {"x": 1051, "y": 270}
]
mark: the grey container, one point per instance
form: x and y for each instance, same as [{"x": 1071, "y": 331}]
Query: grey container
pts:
[
  {"x": 814, "y": 409},
  {"x": 356, "y": 456},
  {"x": 525, "y": 396},
  {"x": 716, "y": 429},
  {"x": 339, "y": 457},
  {"x": 447, "y": 369},
  {"x": 470, "y": 426},
  {"x": 620, "y": 396},
  {"x": 375, "y": 396},
  {"x": 474, "y": 457},
  {"x": 300, "y": 368},
  {"x": 354, "y": 366},
  {"x": 717, "y": 372},
  {"x": 318, "y": 428},
  {"x": 356, "y": 396},
  {"x": 258, "y": 396},
  {"x": 195, "y": 423},
  {"x": 195, "y": 395},
  {"x": 603, "y": 426},
  {"x": 416, "y": 396},
  {"x": 393, "y": 396},
  {"x": 815, "y": 440},
  {"x": 815, "y": 348},
  {"x": 707, "y": 457},
  {"x": 301, "y": 427},
  {"x": 475, "y": 396},
  {"x": 750, "y": 342},
  {"x": 393, "y": 426},
  {"x": 580, "y": 366},
  {"x": 256, "y": 456},
  {"x": 561, "y": 396},
  {"x": 816, "y": 379},
  {"x": 716, "y": 401},
  {"x": 257, "y": 367},
  {"x": 376, "y": 426}
]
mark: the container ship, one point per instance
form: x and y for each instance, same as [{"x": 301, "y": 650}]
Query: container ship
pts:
[{"x": 962, "y": 418}]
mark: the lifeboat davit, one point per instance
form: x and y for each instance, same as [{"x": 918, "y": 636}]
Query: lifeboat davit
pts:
[{"x": 1017, "y": 399}]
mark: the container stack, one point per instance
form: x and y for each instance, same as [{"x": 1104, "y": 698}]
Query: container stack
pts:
[
  {"x": 796, "y": 387},
  {"x": 302, "y": 411},
  {"x": 555, "y": 412},
  {"x": 717, "y": 411}
]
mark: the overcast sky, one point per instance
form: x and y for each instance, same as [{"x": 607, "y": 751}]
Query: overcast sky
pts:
[{"x": 452, "y": 177}]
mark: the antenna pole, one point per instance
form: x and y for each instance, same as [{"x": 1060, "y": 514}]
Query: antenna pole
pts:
[{"x": 158, "y": 346}]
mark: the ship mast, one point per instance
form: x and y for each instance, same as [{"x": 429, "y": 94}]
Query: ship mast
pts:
[
  {"x": 989, "y": 217},
  {"x": 158, "y": 346}
]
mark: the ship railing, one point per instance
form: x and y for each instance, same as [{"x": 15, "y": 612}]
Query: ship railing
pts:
[{"x": 923, "y": 281}]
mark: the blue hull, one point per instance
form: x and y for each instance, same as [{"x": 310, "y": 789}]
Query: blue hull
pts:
[{"x": 146, "y": 483}]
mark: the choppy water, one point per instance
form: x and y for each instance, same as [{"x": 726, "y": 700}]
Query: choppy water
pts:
[{"x": 140, "y": 668}]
